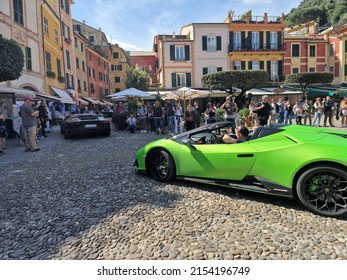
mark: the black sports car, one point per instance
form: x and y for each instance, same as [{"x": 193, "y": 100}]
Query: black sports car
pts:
[{"x": 85, "y": 124}]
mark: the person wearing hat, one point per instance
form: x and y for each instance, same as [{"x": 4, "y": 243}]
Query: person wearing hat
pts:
[
  {"x": 29, "y": 121},
  {"x": 241, "y": 136}
]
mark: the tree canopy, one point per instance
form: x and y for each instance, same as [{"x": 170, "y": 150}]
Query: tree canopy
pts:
[
  {"x": 322, "y": 11},
  {"x": 243, "y": 80},
  {"x": 11, "y": 60},
  {"x": 305, "y": 79},
  {"x": 137, "y": 79}
]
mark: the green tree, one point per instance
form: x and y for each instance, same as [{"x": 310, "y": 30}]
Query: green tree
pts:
[
  {"x": 305, "y": 79},
  {"x": 137, "y": 79},
  {"x": 243, "y": 80},
  {"x": 11, "y": 60}
]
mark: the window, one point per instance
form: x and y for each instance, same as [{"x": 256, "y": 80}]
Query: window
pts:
[
  {"x": 69, "y": 81},
  {"x": 68, "y": 62},
  {"x": 100, "y": 91},
  {"x": 78, "y": 84},
  {"x": 93, "y": 71},
  {"x": 18, "y": 11},
  {"x": 237, "y": 41},
  {"x": 312, "y": 51},
  {"x": 274, "y": 71},
  {"x": 84, "y": 85},
  {"x": 56, "y": 35},
  {"x": 82, "y": 47},
  {"x": 273, "y": 40},
  {"x": 331, "y": 49},
  {"x": 100, "y": 76},
  {"x": 295, "y": 70},
  {"x": 211, "y": 43},
  {"x": 179, "y": 52},
  {"x": 115, "y": 55},
  {"x": 117, "y": 79},
  {"x": 76, "y": 43},
  {"x": 28, "y": 62},
  {"x": 312, "y": 69},
  {"x": 77, "y": 63},
  {"x": 295, "y": 50},
  {"x": 48, "y": 62},
  {"x": 255, "y": 65},
  {"x": 91, "y": 39},
  {"x": 45, "y": 26},
  {"x": 255, "y": 40},
  {"x": 65, "y": 5},
  {"x": 83, "y": 66},
  {"x": 118, "y": 67},
  {"x": 237, "y": 65},
  {"x": 331, "y": 69},
  {"x": 66, "y": 31},
  {"x": 89, "y": 71},
  {"x": 59, "y": 67},
  {"x": 181, "y": 80}
]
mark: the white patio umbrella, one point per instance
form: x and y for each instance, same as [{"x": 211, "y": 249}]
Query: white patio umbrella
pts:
[
  {"x": 130, "y": 92},
  {"x": 185, "y": 93}
]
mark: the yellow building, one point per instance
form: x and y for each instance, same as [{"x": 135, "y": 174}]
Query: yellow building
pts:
[
  {"x": 54, "y": 75},
  {"x": 256, "y": 43},
  {"x": 119, "y": 63}
]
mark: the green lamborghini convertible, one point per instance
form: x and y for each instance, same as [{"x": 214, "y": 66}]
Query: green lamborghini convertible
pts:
[{"x": 307, "y": 163}]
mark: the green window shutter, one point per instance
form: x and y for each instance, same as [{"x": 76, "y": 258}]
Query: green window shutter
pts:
[
  {"x": 219, "y": 69},
  {"x": 189, "y": 79},
  {"x": 219, "y": 43},
  {"x": 173, "y": 80},
  {"x": 261, "y": 40},
  {"x": 172, "y": 52},
  {"x": 279, "y": 40},
  {"x": 345, "y": 46},
  {"x": 231, "y": 41},
  {"x": 345, "y": 67},
  {"x": 249, "y": 65},
  {"x": 204, "y": 43},
  {"x": 249, "y": 40},
  {"x": 280, "y": 70},
  {"x": 186, "y": 52},
  {"x": 243, "y": 65},
  {"x": 204, "y": 70},
  {"x": 268, "y": 40},
  {"x": 243, "y": 40},
  {"x": 261, "y": 66}
]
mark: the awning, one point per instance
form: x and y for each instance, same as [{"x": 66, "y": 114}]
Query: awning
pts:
[
  {"x": 18, "y": 92},
  {"x": 83, "y": 102},
  {"x": 108, "y": 103},
  {"x": 91, "y": 100},
  {"x": 47, "y": 96},
  {"x": 65, "y": 97},
  {"x": 319, "y": 92},
  {"x": 102, "y": 103}
]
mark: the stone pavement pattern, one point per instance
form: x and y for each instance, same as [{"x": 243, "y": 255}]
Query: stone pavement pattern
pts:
[{"x": 81, "y": 199}]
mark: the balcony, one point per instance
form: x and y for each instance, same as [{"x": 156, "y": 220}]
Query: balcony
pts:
[
  {"x": 248, "y": 18},
  {"x": 256, "y": 48}
]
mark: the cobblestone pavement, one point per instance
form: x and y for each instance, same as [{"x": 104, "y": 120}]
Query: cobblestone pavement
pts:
[{"x": 81, "y": 199}]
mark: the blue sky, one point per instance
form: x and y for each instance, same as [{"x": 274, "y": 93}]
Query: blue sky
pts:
[{"x": 133, "y": 23}]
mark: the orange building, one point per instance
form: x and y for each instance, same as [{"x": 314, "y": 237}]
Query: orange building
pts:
[{"x": 256, "y": 43}]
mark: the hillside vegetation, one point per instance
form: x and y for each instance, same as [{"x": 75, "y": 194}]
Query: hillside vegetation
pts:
[{"x": 325, "y": 12}]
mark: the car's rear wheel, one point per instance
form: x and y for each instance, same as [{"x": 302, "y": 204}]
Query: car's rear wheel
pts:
[
  {"x": 67, "y": 134},
  {"x": 160, "y": 165},
  {"x": 323, "y": 190}
]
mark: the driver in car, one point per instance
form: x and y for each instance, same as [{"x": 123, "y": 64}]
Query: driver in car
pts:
[{"x": 241, "y": 135}]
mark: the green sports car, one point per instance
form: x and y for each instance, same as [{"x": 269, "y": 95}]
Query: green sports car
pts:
[{"x": 307, "y": 163}]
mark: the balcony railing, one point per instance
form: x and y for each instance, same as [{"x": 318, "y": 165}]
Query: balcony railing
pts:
[{"x": 256, "y": 47}]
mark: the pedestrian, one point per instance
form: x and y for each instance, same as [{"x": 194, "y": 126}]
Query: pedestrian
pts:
[
  {"x": 29, "y": 120},
  {"x": 170, "y": 111},
  {"x": 318, "y": 110},
  {"x": 230, "y": 108},
  {"x": 328, "y": 108},
  {"x": 178, "y": 117},
  {"x": 2, "y": 132},
  {"x": 307, "y": 112},
  {"x": 197, "y": 114},
  {"x": 263, "y": 110},
  {"x": 158, "y": 117},
  {"x": 43, "y": 117},
  {"x": 189, "y": 117},
  {"x": 141, "y": 117}
]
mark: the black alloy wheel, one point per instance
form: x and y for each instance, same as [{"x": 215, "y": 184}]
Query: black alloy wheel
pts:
[
  {"x": 323, "y": 190},
  {"x": 160, "y": 165}
]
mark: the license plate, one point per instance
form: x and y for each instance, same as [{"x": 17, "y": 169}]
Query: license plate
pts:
[{"x": 89, "y": 125}]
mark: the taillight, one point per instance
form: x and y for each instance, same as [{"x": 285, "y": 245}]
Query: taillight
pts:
[{"x": 105, "y": 122}]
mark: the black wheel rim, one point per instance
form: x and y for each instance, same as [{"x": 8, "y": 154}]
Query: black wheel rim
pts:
[
  {"x": 326, "y": 191},
  {"x": 159, "y": 165}
]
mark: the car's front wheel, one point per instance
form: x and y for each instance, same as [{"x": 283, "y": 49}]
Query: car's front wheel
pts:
[
  {"x": 323, "y": 190},
  {"x": 160, "y": 165}
]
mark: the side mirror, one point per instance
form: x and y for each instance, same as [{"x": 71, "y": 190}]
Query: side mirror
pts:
[{"x": 188, "y": 143}]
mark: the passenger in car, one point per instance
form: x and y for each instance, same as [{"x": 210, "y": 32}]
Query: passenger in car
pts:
[{"x": 241, "y": 135}]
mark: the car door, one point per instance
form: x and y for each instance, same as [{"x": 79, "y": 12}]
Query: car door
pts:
[{"x": 219, "y": 161}]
